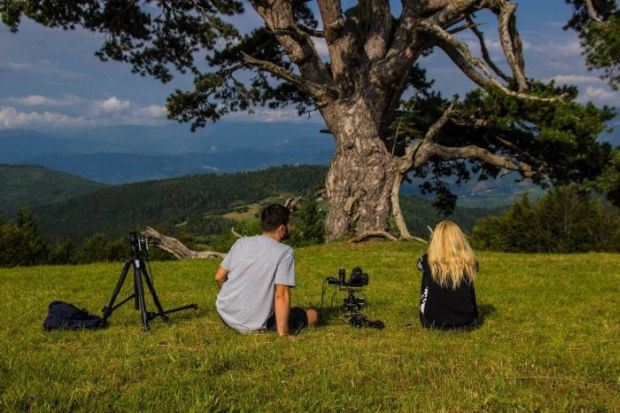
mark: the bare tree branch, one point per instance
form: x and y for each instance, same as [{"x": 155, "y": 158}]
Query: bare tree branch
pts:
[
  {"x": 452, "y": 11},
  {"x": 436, "y": 127},
  {"x": 397, "y": 212},
  {"x": 471, "y": 65},
  {"x": 593, "y": 13},
  {"x": 339, "y": 38},
  {"x": 377, "y": 35},
  {"x": 235, "y": 233},
  {"x": 176, "y": 248},
  {"x": 476, "y": 152},
  {"x": 320, "y": 92},
  {"x": 506, "y": 19},
  {"x": 292, "y": 203},
  {"x": 407, "y": 160},
  {"x": 485, "y": 51},
  {"x": 462, "y": 27},
  {"x": 312, "y": 32},
  {"x": 278, "y": 15}
]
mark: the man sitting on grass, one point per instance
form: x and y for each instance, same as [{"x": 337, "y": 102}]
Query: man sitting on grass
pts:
[{"x": 255, "y": 280}]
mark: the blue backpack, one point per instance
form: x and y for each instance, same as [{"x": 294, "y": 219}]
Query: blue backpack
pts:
[{"x": 66, "y": 316}]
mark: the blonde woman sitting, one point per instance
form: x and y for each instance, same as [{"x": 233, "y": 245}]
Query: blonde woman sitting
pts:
[{"x": 448, "y": 300}]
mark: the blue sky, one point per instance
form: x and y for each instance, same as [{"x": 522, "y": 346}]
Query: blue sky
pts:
[{"x": 50, "y": 78}]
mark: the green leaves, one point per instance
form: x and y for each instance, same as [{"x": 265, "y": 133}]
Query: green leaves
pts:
[
  {"x": 559, "y": 140},
  {"x": 600, "y": 40},
  {"x": 567, "y": 219},
  {"x": 601, "y": 44}
]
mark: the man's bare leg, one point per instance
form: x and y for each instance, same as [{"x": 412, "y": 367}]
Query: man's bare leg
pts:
[{"x": 313, "y": 317}]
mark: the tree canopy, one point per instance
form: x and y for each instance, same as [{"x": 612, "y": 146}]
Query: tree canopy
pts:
[{"x": 387, "y": 120}]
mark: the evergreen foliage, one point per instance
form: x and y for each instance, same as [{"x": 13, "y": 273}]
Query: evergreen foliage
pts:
[
  {"x": 188, "y": 203},
  {"x": 35, "y": 186},
  {"x": 567, "y": 219},
  {"x": 20, "y": 242},
  {"x": 308, "y": 223},
  {"x": 600, "y": 40}
]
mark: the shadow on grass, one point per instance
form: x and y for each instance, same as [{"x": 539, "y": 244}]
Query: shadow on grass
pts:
[
  {"x": 485, "y": 310},
  {"x": 328, "y": 314}
]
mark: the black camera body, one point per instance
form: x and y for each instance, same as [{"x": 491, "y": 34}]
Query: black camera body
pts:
[{"x": 357, "y": 279}]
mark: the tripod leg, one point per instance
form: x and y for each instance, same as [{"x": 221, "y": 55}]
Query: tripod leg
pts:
[
  {"x": 136, "y": 304},
  {"x": 107, "y": 311},
  {"x": 149, "y": 284},
  {"x": 140, "y": 293}
]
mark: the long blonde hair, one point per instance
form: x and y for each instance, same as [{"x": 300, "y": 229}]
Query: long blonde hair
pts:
[{"x": 450, "y": 256}]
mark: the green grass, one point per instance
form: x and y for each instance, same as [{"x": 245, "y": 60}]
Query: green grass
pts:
[{"x": 549, "y": 342}]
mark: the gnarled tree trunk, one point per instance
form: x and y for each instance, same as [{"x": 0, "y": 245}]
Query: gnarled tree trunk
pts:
[{"x": 361, "y": 173}]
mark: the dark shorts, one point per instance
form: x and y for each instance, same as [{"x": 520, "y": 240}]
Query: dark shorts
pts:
[
  {"x": 297, "y": 319},
  {"x": 433, "y": 325}
]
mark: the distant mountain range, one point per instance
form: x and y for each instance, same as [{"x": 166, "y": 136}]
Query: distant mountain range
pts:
[{"x": 124, "y": 154}]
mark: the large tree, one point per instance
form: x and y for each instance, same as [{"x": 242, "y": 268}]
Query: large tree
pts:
[{"x": 511, "y": 123}]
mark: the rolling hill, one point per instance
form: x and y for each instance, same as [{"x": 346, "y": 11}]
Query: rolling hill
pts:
[
  {"x": 35, "y": 186},
  {"x": 170, "y": 202},
  {"x": 202, "y": 204}
]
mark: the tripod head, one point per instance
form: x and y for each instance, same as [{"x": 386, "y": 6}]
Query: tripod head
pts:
[
  {"x": 352, "y": 304},
  {"x": 139, "y": 244}
]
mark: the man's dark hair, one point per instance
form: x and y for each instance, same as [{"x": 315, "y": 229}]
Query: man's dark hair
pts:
[{"x": 273, "y": 216}]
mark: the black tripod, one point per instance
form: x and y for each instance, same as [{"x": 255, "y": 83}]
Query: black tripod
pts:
[{"x": 139, "y": 256}]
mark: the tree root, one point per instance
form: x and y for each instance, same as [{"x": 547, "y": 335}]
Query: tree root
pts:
[{"x": 384, "y": 234}]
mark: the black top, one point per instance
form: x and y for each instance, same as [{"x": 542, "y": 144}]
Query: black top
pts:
[{"x": 446, "y": 308}]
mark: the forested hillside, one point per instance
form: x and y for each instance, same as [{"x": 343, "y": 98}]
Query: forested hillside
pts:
[
  {"x": 33, "y": 186},
  {"x": 204, "y": 204},
  {"x": 171, "y": 202}
]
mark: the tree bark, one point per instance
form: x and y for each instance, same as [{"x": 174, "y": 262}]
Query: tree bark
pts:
[{"x": 361, "y": 174}]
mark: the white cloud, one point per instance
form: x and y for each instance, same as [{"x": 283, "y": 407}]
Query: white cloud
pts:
[
  {"x": 600, "y": 95},
  {"x": 116, "y": 111},
  {"x": 12, "y": 118},
  {"x": 45, "y": 67},
  {"x": 575, "y": 79},
  {"x": 153, "y": 111},
  {"x": 39, "y": 100},
  {"x": 556, "y": 48},
  {"x": 111, "y": 105},
  {"x": 110, "y": 111},
  {"x": 273, "y": 115}
]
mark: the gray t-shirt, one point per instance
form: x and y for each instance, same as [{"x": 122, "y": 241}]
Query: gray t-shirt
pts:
[{"x": 255, "y": 265}]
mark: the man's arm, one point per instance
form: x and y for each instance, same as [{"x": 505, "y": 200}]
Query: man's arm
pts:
[
  {"x": 221, "y": 276},
  {"x": 283, "y": 308}
]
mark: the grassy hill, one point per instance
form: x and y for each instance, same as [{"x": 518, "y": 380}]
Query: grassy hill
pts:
[
  {"x": 35, "y": 186},
  {"x": 548, "y": 342}
]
